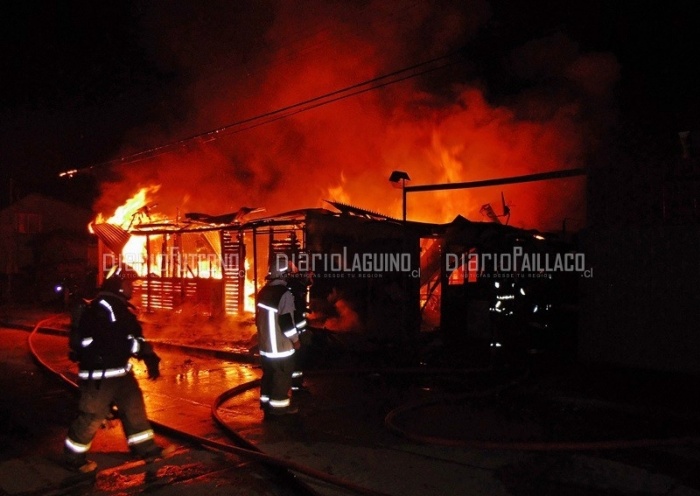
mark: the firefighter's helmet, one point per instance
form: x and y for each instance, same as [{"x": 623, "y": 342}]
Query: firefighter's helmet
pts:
[
  {"x": 113, "y": 280},
  {"x": 279, "y": 268},
  {"x": 116, "y": 281}
]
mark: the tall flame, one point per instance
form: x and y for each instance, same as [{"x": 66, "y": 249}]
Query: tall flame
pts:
[
  {"x": 201, "y": 259},
  {"x": 444, "y": 126},
  {"x": 126, "y": 213}
]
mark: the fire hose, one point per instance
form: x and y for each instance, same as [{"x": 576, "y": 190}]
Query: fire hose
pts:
[
  {"x": 248, "y": 451},
  {"x": 390, "y": 421}
]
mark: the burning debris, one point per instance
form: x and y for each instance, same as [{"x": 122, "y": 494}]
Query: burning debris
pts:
[{"x": 365, "y": 273}]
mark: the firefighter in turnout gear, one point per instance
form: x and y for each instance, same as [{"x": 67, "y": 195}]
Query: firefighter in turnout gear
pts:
[
  {"x": 103, "y": 339},
  {"x": 278, "y": 339}
]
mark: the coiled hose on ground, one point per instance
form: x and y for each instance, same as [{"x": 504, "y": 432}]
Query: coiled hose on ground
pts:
[{"x": 248, "y": 450}]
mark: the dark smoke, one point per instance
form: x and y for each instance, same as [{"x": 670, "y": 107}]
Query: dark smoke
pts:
[{"x": 236, "y": 60}]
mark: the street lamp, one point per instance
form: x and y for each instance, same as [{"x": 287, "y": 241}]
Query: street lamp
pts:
[{"x": 398, "y": 180}]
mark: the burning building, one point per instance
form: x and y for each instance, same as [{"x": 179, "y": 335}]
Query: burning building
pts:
[
  {"x": 382, "y": 280},
  {"x": 321, "y": 103}
]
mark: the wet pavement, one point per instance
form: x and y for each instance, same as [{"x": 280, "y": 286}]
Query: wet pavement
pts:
[
  {"x": 413, "y": 431},
  {"x": 37, "y": 407}
]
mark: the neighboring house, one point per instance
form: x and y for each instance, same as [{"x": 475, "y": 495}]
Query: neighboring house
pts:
[{"x": 43, "y": 242}]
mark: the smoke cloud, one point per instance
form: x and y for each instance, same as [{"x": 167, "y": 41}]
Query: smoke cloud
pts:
[{"x": 237, "y": 60}]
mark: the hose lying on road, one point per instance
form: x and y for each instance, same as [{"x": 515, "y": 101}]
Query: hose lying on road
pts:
[
  {"x": 256, "y": 454},
  {"x": 390, "y": 422},
  {"x": 36, "y": 356},
  {"x": 245, "y": 449},
  {"x": 248, "y": 451}
]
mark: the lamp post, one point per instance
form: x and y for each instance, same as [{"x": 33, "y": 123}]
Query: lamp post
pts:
[{"x": 398, "y": 179}]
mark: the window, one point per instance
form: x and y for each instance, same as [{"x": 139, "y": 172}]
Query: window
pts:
[{"x": 28, "y": 223}]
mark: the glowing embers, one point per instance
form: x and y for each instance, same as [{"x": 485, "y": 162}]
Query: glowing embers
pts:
[{"x": 182, "y": 255}]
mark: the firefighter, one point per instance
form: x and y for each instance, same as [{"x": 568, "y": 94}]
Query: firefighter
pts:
[
  {"x": 102, "y": 341},
  {"x": 278, "y": 339},
  {"x": 508, "y": 323}
]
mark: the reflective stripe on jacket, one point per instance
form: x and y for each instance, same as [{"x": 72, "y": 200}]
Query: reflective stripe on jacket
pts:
[
  {"x": 109, "y": 334},
  {"x": 104, "y": 374},
  {"x": 275, "y": 320}
]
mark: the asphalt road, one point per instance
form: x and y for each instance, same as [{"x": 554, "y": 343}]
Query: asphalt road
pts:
[
  {"x": 35, "y": 411},
  {"x": 35, "y": 408},
  {"x": 340, "y": 432}
]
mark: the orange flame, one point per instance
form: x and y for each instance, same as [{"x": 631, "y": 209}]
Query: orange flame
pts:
[
  {"x": 131, "y": 209},
  {"x": 180, "y": 263}
]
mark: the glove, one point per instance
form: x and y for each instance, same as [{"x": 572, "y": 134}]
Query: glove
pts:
[{"x": 152, "y": 362}]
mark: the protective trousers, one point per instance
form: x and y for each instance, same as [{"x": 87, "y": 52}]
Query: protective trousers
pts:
[
  {"x": 276, "y": 381},
  {"x": 96, "y": 398}
]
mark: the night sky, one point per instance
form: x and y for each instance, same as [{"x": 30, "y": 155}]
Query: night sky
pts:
[{"x": 85, "y": 83}]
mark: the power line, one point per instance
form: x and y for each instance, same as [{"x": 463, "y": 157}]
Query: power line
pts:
[{"x": 284, "y": 112}]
